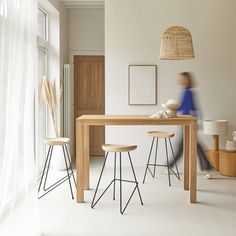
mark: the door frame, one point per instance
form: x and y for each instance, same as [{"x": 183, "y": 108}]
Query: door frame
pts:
[{"x": 73, "y": 53}]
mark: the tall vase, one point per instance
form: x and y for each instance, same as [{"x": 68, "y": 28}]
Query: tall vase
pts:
[{"x": 58, "y": 161}]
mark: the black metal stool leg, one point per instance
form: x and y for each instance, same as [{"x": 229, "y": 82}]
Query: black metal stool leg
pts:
[
  {"x": 135, "y": 179},
  {"x": 69, "y": 159},
  {"x": 168, "y": 166},
  {"x": 44, "y": 168},
  {"x": 154, "y": 172},
  {"x": 136, "y": 187},
  {"x": 178, "y": 176},
  {"x": 67, "y": 170},
  {"x": 47, "y": 169},
  {"x": 122, "y": 210},
  {"x": 148, "y": 161},
  {"x": 104, "y": 163},
  {"x": 121, "y": 186},
  {"x": 114, "y": 184}
]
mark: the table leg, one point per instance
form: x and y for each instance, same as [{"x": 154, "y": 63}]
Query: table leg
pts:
[
  {"x": 193, "y": 163},
  {"x": 80, "y": 161},
  {"x": 186, "y": 156},
  {"x": 86, "y": 156}
]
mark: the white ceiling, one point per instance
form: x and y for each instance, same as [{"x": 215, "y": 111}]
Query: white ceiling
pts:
[{"x": 83, "y": 3}]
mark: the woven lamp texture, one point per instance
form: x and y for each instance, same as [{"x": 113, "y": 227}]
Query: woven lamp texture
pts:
[{"x": 176, "y": 44}]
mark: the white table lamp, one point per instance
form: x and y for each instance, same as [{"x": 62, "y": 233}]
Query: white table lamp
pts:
[{"x": 215, "y": 128}]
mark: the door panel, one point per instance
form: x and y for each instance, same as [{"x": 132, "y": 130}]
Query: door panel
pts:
[{"x": 89, "y": 95}]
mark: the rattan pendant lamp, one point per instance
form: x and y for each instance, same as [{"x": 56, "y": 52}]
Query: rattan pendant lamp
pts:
[{"x": 176, "y": 44}]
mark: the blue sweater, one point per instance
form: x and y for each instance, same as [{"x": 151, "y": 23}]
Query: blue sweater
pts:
[{"x": 187, "y": 103}]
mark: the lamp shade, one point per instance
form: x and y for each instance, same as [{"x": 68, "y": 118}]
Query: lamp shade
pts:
[
  {"x": 215, "y": 127},
  {"x": 176, "y": 44}
]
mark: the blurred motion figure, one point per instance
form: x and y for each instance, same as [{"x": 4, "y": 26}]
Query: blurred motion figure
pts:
[{"x": 188, "y": 107}]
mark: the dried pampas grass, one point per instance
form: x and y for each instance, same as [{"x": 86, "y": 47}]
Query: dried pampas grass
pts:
[{"x": 49, "y": 95}]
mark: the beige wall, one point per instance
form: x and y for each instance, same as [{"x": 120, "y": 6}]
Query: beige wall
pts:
[
  {"x": 86, "y": 30},
  {"x": 63, "y": 14},
  {"x": 132, "y": 34}
]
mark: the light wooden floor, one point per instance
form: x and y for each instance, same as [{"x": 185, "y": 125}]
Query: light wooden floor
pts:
[{"x": 166, "y": 210}]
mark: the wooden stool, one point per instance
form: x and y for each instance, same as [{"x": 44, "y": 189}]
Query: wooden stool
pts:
[
  {"x": 156, "y": 135},
  {"x": 63, "y": 143},
  {"x": 117, "y": 149},
  {"x": 227, "y": 163}
]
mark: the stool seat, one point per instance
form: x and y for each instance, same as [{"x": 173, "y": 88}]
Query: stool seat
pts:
[
  {"x": 57, "y": 141},
  {"x": 160, "y": 134},
  {"x": 118, "y": 148}
]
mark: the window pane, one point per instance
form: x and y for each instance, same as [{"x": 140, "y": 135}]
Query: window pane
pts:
[{"x": 42, "y": 23}]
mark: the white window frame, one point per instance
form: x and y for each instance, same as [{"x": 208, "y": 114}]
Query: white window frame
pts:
[
  {"x": 46, "y": 24},
  {"x": 43, "y": 46}
]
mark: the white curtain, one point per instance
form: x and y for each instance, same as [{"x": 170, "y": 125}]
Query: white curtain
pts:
[{"x": 18, "y": 74}]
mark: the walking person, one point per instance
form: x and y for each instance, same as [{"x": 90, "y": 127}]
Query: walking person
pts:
[{"x": 188, "y": 107}]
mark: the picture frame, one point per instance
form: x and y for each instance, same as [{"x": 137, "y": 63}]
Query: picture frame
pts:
[{"x": 142, "y": 85}]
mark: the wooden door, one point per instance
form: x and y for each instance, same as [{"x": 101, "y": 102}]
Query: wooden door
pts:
[{"x": 89, "y": 95}]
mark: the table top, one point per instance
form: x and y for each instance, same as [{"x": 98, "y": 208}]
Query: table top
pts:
[{"x": 134, "y": 119}]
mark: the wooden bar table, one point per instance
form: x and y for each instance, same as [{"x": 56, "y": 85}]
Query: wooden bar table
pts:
[{"x": 83, "y": 123}]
